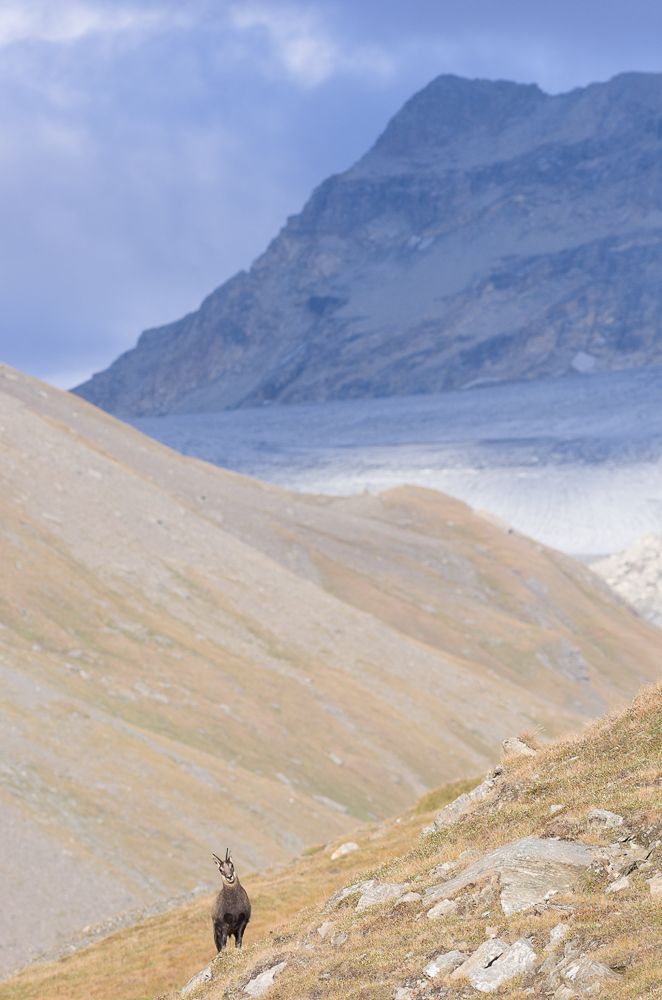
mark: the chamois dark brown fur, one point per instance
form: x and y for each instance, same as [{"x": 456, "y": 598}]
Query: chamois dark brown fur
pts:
[{"x": 232, "y": 907}]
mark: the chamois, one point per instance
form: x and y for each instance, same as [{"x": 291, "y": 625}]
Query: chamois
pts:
[{"x": 232, "y": 907}]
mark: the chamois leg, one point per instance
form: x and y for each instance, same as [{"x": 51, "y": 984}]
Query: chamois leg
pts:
[
  {"x": 239, "y": 936},
  {"x": 220, "y": 936}
]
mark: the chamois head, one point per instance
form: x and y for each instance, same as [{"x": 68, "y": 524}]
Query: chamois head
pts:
[{"x": 226, "y": 868}]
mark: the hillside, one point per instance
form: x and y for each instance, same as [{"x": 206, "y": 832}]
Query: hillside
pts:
[
  {"x": 192, "y": 658},
  {"x": 573, "y": 910},
  {"x": 493, "y": 232}
]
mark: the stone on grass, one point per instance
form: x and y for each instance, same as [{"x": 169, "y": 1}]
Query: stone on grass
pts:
[
  {"x": 256, "y": 987},
  {"x": 404, "y": 993},
  {"x": 481, "y": 958},
  {"x": 452, "y": 812},
  {"x": 409, "y": 897},
  {"x": 514, "y": 747},
  {"x": 326, "y": 928},
  {"x": 564, "y": 993},
  {"x": 197, "y": 980},
  {"x": 584, "y": 973},
  {"x": 621, "y": 883},
  {"x": 606, "y": 817},
  {"x": 443, "y": 965},
  {"x": 380, "y": 892},
  {"x": 550, "y": 963},
  {"x": 520, "y": 958},
  {"x": 556, "y": 935},
  {"x": 655, "y": 886},
  {"x": 344, "y": 849},
  {"x": 554, "y": 809},
  {"x": 442, "y": 909},
  {"x": 350, "y": 890}
]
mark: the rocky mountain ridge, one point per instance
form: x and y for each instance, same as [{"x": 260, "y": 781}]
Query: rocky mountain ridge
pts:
[{"x": 493, "y": 233}]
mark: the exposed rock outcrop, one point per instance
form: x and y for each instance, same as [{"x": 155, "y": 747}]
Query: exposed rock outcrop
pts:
[
  {"x": 493, "y": 232},
  {"x": 452, "y": 812},
  {"x": 530, "y": 870}
]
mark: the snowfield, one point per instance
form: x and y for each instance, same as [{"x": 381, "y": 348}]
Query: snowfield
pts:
[{"x": 574, "y": 462}]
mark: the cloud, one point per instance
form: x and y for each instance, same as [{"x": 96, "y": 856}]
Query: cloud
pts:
[
  {"x": 46, "y": 21},
  {"x": 305, "y": 47}
]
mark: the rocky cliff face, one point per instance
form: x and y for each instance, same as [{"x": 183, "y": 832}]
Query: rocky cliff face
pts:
[{"x": 493, "y": 232}]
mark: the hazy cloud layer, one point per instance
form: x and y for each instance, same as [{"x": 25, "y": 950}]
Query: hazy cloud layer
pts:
[{"x": 149, "y": 150}]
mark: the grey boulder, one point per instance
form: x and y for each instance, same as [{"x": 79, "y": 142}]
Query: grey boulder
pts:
[
  {"x": 516, "y": 960},
  {"x": 444, "y": 964},
  {"x": 260, "y": 984},
  {"x": 583, "y": 974},
  {"x": 529, "y": 869}
]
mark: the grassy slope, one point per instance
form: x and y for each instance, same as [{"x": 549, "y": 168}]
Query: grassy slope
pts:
[
  {"x": 614, "y": 763},
  {"x": 163, "y": 952}
]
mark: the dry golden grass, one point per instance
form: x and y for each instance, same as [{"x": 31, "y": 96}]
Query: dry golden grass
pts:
[
  {"x": 163, "y": 952},
  {"x": 615, "y": 764}
]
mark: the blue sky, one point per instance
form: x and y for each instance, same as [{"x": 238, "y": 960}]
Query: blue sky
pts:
[{"x": 148, "y": 150}]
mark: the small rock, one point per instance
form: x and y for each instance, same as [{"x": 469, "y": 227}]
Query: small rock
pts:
[
  {"x": 197, "y": 980},
  {"x": 452, "y": 812},
  {"x": 442, "y": 870},
  {"x": 550, "y": 963},
  {"x": 326, "y": 928},
  {"x": 404, "y": 993},
  {"x": 584, "y": 973},
  {"x": 515, "y": 961},
  {"x": 622, "y": 883},
  {"x": 443, "y": 965},
  {"x": 655, "y": 886},
  {"x": 409, "y": 897},
  {"x": 606, "y": 817},
  {"x": 380, "y": 892},
  {"x": 344, "y": 849},
  {"x": 514, "y": 747},
  {"x": 256, "y": 987},
  {"x": 565, "y": 993},
  {"x": 481, "y": 958},
  {"x": 442, "y": 909},
  {"x": 556, "y": 935},
  {"x": 350, "y": 890},
  {"x": 554, "y": 809},
  {"x": 338, "y": 939}
]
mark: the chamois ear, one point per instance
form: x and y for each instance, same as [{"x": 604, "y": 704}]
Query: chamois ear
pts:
[{"x": 218, "y": 862}]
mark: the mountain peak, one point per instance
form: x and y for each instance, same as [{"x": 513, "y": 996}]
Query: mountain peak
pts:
[
  {"x": 450, "y": 107},
  {"x": 493, "y": 232}
]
